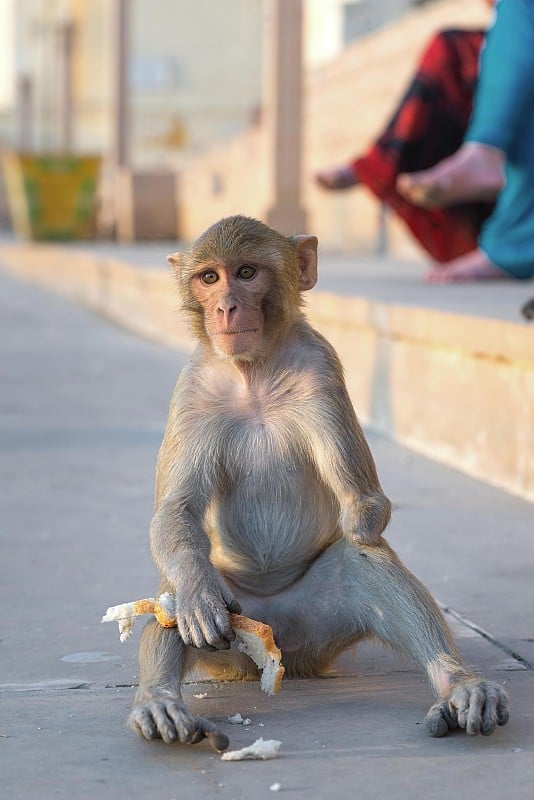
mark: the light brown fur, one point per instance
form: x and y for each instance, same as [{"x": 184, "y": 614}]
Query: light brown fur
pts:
[{"x": 268, "y": 499}]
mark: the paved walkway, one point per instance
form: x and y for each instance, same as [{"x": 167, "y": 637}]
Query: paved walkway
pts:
[{"x": 82, "y": 408}]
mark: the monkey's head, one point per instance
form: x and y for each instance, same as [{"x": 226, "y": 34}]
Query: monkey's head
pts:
[{"x": 241, "y": 284}]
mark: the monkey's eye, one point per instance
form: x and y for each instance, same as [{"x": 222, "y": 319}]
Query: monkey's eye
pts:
[
  {"x": 246, "y": 272},
  {"x": 209, "y": 277}
]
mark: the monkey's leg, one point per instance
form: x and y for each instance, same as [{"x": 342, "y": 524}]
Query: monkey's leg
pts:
[
  {"x": 351, "y": 592},
  {"x": 159, "y": 711},
  {"x": 394, "y": 605}
]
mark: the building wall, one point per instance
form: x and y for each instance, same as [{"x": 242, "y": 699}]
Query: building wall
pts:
[
  {"x": 194, "y": 72},
  {"x": 332, "y": 25},
  {"x": 93, "y": 68}
]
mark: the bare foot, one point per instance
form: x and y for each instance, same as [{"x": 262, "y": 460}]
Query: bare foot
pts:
[
  {"x": 474, "y": 172},
  {"x": 337, "y": 178},
  {"x": 474, "y": 266}
]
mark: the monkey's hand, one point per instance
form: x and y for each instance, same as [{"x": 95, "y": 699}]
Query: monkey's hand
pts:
[
  {"x": 203, "y": 607},
  {"x": 475, "y": 704},
  {"x": 162, "y": 716}
]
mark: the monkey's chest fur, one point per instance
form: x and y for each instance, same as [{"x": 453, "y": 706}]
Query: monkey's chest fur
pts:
[{"x": 271, "y": 515}]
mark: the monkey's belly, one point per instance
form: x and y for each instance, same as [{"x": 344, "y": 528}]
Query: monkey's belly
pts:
[{"x": 265, "y": 535}]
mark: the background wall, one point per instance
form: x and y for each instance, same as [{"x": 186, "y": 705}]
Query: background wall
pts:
[{"x": 346, "y": 102}]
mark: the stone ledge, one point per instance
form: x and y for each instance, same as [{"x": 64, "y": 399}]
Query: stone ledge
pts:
[{"x": 457, "y": 388}]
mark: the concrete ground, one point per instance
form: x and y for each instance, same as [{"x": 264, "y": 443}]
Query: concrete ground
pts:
[{"x": 82, "y": 408}]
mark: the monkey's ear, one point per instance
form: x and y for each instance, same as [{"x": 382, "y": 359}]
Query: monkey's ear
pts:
[
  {"x": 307, "y": 261},
  {"x": 175, "y": 260}
]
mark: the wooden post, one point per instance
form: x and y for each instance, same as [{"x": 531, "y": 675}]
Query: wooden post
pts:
[
  {"x": 120, "y": 115},
  {"x": 283, "y": 114},
  {"x": 116, "y": 212},
  {"x": 66, "y": 106},
  {"x": 24, "y": 113}
]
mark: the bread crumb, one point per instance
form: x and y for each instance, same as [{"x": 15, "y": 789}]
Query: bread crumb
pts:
[{"x": 261, "y": 750}]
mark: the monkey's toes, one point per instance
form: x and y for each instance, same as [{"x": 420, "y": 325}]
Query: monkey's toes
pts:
[
  {"x": 480, "y": 706},
  {"x": 151, "y": 722},
  {"x": 440, "y": 720},
  {"x": 170, "y": 721},
  {"x": 476, "y": 705},
  {"x": 218, "y": 740}
]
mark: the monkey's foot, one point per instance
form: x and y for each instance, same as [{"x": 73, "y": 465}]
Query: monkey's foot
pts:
[
  {"x": 168, "y": 719},
  {"x": 476, "y": 705}
]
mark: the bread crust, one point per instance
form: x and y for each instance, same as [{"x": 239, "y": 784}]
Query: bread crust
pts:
[{"x": 264, "y": 633}]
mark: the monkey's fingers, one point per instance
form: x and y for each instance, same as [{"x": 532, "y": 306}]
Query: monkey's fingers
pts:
[
  {"x": 229, "y": 600},
  {"x": 201, "y": 637},
  {"x": 206, "y": 629},
  {"x": 214, "y": 621},
  {"x": 225, "y": 631}
]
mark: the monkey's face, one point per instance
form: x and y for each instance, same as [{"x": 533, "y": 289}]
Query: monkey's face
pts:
[
  {"x": 240, "y": 285},
  {"x": 231, "y": 298}
]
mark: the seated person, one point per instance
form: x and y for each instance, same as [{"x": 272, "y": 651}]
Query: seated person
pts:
[{"x": 498, "y": 151}]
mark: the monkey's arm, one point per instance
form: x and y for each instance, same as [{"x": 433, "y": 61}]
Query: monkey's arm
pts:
[
  {"x": 180, "y": 545},
  {"x": 345, "y": 462},
  {"x": 180, "y": 548}
]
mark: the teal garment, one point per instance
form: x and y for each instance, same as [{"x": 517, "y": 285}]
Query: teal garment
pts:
[{"x": 503, "y": 117}]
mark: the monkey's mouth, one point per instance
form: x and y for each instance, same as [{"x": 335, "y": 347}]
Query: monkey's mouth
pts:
[{"x": 236, "y": 333}]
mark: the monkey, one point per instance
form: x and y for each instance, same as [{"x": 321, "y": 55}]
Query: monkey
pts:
[{"x": 268, "y": 500}]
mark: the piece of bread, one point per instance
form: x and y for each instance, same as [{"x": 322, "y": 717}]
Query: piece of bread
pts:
[
  {"x": 253, "y": 638},
  {"x": 125, "y": 613},
  {"x": 256, "y": 640}
]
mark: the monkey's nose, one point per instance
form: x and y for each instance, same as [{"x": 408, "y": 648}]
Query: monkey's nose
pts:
[{"x": 227, "y": 310}]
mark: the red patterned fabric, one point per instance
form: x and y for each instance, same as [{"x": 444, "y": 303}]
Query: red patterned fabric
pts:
[{"x": 428, "y": 126}]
